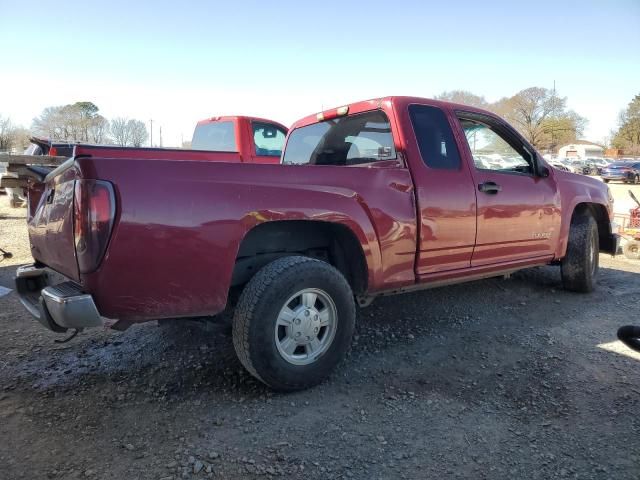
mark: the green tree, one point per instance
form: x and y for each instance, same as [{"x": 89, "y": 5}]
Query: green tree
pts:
[
  {"x": 628, "y": 135},
  {"x": 561, "y": 129}
]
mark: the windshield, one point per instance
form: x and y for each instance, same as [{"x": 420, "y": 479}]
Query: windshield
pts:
[
  {"x": 352, "y": 140},
  {"x": 215, "y": 136}
]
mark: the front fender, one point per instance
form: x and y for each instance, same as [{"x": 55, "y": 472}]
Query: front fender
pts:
[{"x": 576, "y": 190}]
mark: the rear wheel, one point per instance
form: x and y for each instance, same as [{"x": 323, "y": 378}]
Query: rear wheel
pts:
[
  {"x": 606, "y": 181},
  {"x": 579, "y": 267},
  {"x": 294, "y": 322},
  {"x": 631, "y": 250}
]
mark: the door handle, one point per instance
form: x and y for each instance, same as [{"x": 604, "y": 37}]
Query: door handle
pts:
[{"x": 489, "y": 187}]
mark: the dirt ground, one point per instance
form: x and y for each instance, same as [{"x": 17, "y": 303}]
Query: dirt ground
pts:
[{"x": 495, "y": 379}]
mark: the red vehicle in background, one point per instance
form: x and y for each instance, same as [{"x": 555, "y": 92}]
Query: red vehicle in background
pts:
[
  {"x": 374, "y": 198},
  {"x": 233, "y": 139},
  {"x": 248, "y": 139}
]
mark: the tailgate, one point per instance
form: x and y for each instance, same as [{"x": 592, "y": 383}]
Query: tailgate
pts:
[{"x": 51, "y": 223}]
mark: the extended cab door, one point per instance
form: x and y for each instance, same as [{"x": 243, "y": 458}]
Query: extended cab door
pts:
[
  {"x": 445, "y": 193},
  {"x": 518, "y": 210}
]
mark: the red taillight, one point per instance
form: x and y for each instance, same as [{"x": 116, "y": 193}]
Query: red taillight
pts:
[
  {"x": 94, "y": 209},
  {"x": 53, "y": 152}
]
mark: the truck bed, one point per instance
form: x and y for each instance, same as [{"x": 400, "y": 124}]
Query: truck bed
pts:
[{"x": 179, "y": 223}]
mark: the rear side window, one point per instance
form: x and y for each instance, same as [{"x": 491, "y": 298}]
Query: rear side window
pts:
[
  {"x": 215, "y": 136},
  {"x": 268, "y": 139},
  {"x": 353, "y": 140},
  {"x": 435, "y": 139}
]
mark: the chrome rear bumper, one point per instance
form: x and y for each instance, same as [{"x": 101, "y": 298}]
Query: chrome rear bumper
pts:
[{"x": 57, "y": 307}]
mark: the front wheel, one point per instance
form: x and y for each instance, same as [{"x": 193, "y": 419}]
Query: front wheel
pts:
[
  {"x": 606, "y": 181},
  {"x": 579, "y": 267},
  {"x": 294, "y": 322}
]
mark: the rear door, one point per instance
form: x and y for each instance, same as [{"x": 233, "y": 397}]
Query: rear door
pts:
[
  {"x": 445, "y": 193},
  {"x": 518, "y": 211}
]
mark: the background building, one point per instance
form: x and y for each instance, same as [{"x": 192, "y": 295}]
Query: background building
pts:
[{"x": 581, "y": 149}]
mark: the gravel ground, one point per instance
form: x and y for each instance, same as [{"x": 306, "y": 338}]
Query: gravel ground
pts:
[{"x": 492, "y": 379}]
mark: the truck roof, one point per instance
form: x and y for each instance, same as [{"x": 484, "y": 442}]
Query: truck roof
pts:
[
  {"x": 227, "y": 118},
  {"x": 395, "y": 101}
]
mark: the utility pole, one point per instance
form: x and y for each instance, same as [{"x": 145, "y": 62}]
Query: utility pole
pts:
[
  {"x": 160, "y": 136},
  {"x": 151, "y": 141}
]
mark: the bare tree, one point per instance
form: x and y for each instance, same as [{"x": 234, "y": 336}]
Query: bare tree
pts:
[
  {"x": 529, "y": 109},
  {"x": 129, "y": 132},
  {"x": 538, "y": 113},
  {"x": 78, "y": 122},
  {"x": 12, "y": 138},
  {"x": 464, "y": 97},
  {"x": 5, "y": 134},
  {"x": 120, "y": 131},
  {"x": 139, "y": 133},
  {"x": 98, "y": 129}
]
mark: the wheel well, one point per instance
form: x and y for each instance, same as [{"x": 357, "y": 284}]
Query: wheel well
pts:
[
  {"x": 601, "y": 216},
  {"x": 331, "y": 242}
]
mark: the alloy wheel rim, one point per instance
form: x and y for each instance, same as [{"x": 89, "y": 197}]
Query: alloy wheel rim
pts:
[{"x": 306, "y": 326}]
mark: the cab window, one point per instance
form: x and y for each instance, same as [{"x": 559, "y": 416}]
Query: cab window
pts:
[
  {"x": 268, "y": 139},
  {"x": 362, "y": 138},
  {"x": 215, "y": 136},
  {"x": 435, "y": 139},
  {"x": 493, "y": 149}
]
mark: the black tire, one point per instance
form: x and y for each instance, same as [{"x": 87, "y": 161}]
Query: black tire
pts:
[
  {"x": 579, "y": 267},
  {"x": 254, "y": 322},
  {"x": 631, "y": 250},
  {"x": 606, "y": 181}
]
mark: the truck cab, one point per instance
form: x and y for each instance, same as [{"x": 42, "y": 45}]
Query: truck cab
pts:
[{"x": 255, "y": 140}]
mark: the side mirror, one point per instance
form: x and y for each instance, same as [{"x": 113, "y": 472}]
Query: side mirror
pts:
[{"x": 543, "y": 171}]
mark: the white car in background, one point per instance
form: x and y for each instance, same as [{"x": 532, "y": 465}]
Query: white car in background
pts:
[{"x": 559, "y": 165}]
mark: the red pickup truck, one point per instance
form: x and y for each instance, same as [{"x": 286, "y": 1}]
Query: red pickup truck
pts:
[
  {"x": 374, "y": 198},
  {"x": 248, "y": 139}
]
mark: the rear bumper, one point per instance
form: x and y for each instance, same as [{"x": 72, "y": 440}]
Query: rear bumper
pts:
[
  {"x": 58, "y": 307},
  {"x": 614, "y": 176}
]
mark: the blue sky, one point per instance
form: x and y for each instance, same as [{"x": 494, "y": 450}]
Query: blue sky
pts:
[{"x": 180, "y": 62}]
